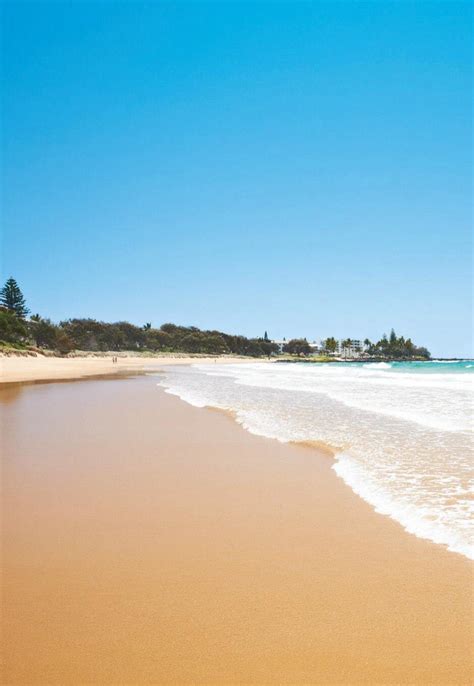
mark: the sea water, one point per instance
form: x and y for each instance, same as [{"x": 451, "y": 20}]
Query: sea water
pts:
[{"x": 401, "y": 431}]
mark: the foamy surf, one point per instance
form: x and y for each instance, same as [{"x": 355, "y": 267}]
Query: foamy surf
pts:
[
  {"x": 410, "y": 516},
  {"x": 404, "y": 431}
]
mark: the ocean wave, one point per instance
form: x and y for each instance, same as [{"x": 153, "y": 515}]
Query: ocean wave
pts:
[
  {"x": 411, "y": 517},
  {"x": 406, "y": 448},
  {"x": 377, "y": 365},
  {"x": 402, "y": 395}
]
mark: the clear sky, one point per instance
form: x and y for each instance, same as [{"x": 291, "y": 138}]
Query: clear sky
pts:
[{"x": 301, "y": 168}]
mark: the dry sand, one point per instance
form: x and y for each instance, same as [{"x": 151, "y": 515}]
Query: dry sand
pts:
[
  {"x": 14, "y": 369},
  {"x": 149, "y": 542}
]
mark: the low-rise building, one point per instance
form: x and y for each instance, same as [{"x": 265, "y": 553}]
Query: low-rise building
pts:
[{"x": 280, "y": 344}]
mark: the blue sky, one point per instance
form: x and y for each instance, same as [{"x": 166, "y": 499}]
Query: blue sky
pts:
[{"x": 301, "y": 168}]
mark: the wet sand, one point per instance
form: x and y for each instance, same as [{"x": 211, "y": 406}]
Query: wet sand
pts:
[{"x": 149, "y": 542}]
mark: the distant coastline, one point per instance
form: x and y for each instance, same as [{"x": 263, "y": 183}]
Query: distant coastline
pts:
[
  {"x": 332, "y": 360},
  {"x": 24, "y": 333}
]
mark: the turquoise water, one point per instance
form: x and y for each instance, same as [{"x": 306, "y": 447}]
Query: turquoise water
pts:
[{"x": 431, "y": 367}]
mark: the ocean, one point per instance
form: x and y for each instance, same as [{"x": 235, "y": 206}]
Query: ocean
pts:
[{"x": 401, "y": 431}]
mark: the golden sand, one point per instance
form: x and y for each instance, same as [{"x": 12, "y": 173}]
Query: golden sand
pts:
[
  {"x": 14, "y": 369},
  {"x": 149, "y": 542}
]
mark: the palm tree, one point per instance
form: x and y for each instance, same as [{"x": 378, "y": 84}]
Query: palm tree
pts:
[{"x": 346, "y": 344}]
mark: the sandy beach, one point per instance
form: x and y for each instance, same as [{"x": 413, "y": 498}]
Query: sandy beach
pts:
[
  {"x": 149, "y": 542},
  {"x": 15, "y": 369}
]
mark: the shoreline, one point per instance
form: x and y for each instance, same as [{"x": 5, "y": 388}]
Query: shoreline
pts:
[
  {"x": 402, "y": 470},
  {"x": 331, "y": 453},
  {"x": 21, "y": 369},
  {"x": 208, "y": 556}
]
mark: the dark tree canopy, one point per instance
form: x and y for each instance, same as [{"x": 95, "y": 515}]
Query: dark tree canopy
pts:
[
  {"x": 12, "y": 298},
  {"x": 297, "y": 346},
  {"x": 13, "y": 329},
  {"x": 92, "y": 335},
  {"x": 396, "y": 348},
  {"x": 330, "y": 345}
]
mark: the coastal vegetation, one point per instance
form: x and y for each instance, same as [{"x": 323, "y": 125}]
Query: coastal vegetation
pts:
[
  {"x": 297, "y": 346},
  {"x": 18, "y": 332},
  {"x": 12, "y": 298},
  {"x": 96, "y": 336},
  {"x": 391, "y": 348},
  {"x": 397, "y": 348}
]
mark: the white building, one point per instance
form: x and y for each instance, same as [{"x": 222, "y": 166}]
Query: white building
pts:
[
  {"x": 314, "y": 345},
  {"x": 354, "y": 350},
  {"x": 280, "y": 344}
]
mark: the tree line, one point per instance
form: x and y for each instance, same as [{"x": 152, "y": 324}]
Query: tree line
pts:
[
  {"x": 92, "y": 335},
  {"x": 394, "y": 347}
]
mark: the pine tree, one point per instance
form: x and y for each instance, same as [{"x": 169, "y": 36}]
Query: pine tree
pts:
[
  {"x": 12, "y": 298},
  {"x": 265, "y": 338}
]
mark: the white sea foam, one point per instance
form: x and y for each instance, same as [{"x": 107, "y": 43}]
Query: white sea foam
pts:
[
  {"x": 403, "y": 438},
  {"x": 377, "y": 365},
  {"x": 413, "y": 518}
]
